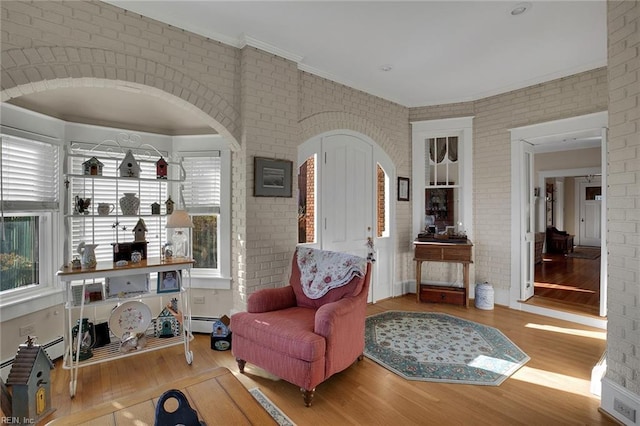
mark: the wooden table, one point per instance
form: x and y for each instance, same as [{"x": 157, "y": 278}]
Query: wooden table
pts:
[
  {"x": 217, "y": 396},
  {"x": 442, "y": 251}
]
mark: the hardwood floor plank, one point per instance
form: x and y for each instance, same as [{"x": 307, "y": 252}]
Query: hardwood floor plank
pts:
[{"x": 552, "y": 388}]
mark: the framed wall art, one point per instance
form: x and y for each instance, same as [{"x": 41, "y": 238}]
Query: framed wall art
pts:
[
  {"x": 272, "y": 177},
  {"x": 403, "y": 189},
  {"x": 169, "y": 281}
]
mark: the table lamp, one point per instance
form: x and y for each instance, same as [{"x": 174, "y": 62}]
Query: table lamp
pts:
[{"x": 181, "y": 224}]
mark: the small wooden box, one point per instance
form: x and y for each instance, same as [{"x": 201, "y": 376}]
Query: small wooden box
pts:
[{"x": 441, "y": 294}]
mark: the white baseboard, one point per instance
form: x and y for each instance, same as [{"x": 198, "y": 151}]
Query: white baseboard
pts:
[
  {"x": 610, "y": 393},
  {"x": 55, "y": 349}
]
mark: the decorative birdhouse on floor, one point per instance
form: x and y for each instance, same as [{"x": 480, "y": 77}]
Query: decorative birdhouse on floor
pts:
[
  {"x": 221, "y": 334},
  {"x": 167, "y": 324},
  {"x": 129, "y": 166},
  {"x": 30, "y": 379},
  {"x": 161, "y": 168},
  {"x": 140, "y": 231},
  {"x": 92, "y": 167}
]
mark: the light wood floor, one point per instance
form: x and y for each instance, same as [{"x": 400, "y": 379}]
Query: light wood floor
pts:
[
  {"x": 551, "y": 389},
  {"x": 567, "y": 283}
]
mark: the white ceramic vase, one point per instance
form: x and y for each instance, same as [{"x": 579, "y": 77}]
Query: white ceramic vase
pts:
[{"x": 129, "y": 203}]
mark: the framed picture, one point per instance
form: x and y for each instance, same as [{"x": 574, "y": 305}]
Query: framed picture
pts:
[
  {"x": 403, "y": 189},
  {"x": 126, "y": 286},
  {"x": 271, "y": 177},
  {"x": 169, "y": 281}
]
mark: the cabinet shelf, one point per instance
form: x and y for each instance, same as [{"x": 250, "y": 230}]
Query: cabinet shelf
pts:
[
  {"x": 117, "y": 300},
  {"x": 126, "y": 179}
]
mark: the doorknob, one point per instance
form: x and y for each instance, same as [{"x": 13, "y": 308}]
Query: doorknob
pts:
[{"x": 582, "y": 220}]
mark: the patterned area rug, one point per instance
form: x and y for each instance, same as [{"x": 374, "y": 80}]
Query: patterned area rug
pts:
[
  {"x": 438, "y": 347},
  {"x": 585, "y": 252},
  {"x": 271, "y": 408}
]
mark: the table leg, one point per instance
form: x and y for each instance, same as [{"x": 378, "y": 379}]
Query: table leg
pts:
[
  {"x": 418, "y": 279},
  {"x": 465, "y": 280}
]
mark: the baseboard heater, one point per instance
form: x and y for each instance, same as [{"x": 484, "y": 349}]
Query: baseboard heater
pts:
[
  {"x": 202, "y": 324},
  {"x": 54, "y": 348}
]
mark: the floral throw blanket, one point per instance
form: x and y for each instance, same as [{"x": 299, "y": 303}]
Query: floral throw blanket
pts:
[{"x": 321, "y": 270}]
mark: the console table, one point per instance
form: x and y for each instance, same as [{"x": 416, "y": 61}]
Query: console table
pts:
[{"x": 442, "y": 251}]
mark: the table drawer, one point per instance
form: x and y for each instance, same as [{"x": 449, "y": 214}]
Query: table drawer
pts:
[
  {"x": 452, "y": 252},
  {"x": 440, "y": 294}
]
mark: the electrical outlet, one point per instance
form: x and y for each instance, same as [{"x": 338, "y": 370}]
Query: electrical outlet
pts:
[
  {"x": 624, "y": 409},
  {"x": 199, "y": 300},
  {"x": 26, "y": 330}
]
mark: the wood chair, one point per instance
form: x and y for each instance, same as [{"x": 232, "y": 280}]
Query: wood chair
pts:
[{"x": 559, "y": 241}]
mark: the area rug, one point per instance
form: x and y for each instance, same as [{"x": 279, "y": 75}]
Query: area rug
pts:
[
  {"x": 585, "y": 253},
  {"x": 438, "y": 347},
  {"x": 271, "y": 408}
]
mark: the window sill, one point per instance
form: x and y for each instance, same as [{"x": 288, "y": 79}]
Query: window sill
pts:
[
  {"x": 28, "y": 302},
  {"x": 210, "y": 281}
]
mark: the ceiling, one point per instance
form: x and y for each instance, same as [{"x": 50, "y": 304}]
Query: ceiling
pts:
[{"x": 414, "y": 53}]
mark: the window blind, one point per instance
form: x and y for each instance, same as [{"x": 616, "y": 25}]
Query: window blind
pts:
[
  {"x": 201, "y": 189},
  {"x": 29, "y": 175}
]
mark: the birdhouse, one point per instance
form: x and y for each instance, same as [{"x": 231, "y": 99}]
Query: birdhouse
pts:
[
  {"x": 129, "y": 166},
  {"x": 221, "y": 334},
  {"x": 30, "y": 379},
  {"x": 169, "y": 204},
  {"x": 155, "y": 208},
  {"x": 92, "y": 167},
  {"x": 161, "y": 168},
  {"x": 167, "y": 324},
  {"x": 140, "y": 231}
]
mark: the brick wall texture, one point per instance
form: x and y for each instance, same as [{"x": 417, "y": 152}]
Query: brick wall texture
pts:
[
  {"x": 265, "y": 106},
  {"x": 623, "y": 233}
]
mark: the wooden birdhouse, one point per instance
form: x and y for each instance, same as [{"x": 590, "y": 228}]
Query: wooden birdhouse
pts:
[
  {"x": 30, "y": 380},
  {"x": 129, "y": 166},
  {"x": 140, "y": 231},
  {"x": 169, "y": 204},
  {"x": 161, "y": 168},
  {"x": 167, "y": 324},
  {"x": 221, "y": 334},
  {"x": 92, "y": 167}
]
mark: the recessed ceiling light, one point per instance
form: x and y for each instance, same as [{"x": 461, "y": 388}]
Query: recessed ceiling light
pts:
[
  {"x": 520, "y": 8},
  {"x": 386, "y": 67}
]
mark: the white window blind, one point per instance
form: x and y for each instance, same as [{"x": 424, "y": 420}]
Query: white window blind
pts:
[
  {"x": 106, "y": 230},
  {"x": 29, "y": 175},
  {"x": 202, "y": 185}
]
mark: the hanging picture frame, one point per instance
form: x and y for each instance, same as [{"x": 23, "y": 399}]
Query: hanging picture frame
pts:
[
  {"x": 403, "y": 189},
  {"x": 272, "y": 177}
]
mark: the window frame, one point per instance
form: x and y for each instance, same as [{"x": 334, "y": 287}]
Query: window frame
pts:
[
  {"x": 22, "y": 301},
  {"x": 462, "y": 127},
  {"x": 206, "y": 278}
]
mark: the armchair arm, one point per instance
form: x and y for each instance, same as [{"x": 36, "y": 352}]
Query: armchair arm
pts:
[{"x": 271, "y": 299}]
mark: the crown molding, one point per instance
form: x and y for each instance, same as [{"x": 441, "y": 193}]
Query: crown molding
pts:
[{"x": 247, "y": 40}]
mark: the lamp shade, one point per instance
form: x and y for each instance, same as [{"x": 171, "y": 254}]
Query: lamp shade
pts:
[{"x": 179, "y": 219}]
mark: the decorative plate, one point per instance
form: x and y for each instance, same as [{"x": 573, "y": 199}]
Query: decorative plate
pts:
[{"x": 133, "y": 317}]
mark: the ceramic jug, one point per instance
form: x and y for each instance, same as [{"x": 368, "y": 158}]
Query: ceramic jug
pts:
[
  {"x": 105, "y": 208},
  {"x": 87, "y": 254},
  {"x": 129, "y": 203}
]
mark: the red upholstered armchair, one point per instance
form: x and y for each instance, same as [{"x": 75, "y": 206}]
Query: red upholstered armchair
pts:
[{"x": 302, "y": 340}]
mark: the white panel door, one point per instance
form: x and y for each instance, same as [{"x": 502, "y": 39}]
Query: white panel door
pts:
[
  {"x": 590, "y": 213},
  {"x": 347, "y": 194},
  {"x": 527, "y": 222}
]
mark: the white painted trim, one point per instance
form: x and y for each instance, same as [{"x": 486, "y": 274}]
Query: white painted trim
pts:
[
  {"x": 247, "y": 40},
  {"x": 611, "y": 391},
  {"x": 589, "y": 123}
]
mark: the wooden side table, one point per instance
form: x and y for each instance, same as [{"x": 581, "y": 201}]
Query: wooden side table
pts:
[{"x": 442, "y": 252}]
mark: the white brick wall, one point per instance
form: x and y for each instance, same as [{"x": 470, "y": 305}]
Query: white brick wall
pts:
[
  {"x": 571, "y": 96},
  {"x": 623, "y": 340}
]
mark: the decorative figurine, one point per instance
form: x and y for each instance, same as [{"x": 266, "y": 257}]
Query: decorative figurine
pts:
[
  {"x": 155, "y": 208},
  {"x": 161, "y": 168},
  {"x": 92, "y": 167},
  {"x": 81, "y": 205},
  {"x": 129, "y": 166},
  {"x": 30, "y": 378},
  {"x": 85, "y": 331}
]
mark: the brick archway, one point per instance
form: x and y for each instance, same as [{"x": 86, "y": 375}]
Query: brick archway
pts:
[{"x": 32, "y": 70}]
